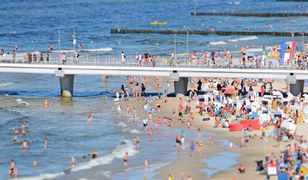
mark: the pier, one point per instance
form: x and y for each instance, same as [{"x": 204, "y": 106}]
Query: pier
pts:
[
  {"x": 206, "y": 32},
  {"x": 255, "y": 14}
]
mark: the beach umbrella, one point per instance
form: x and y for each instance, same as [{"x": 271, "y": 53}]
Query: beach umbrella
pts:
[
  {"x": 230, "y": 90},
  {"x": 253, "y": 115}
]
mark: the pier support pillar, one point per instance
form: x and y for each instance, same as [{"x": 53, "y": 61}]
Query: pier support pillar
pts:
[
  {"x": 297, "y": 87},
  {"x": 67, "y": 85},
  {"x": 180, "y": 86}
]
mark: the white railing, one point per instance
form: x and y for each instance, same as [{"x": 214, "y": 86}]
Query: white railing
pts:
[{"x": 86, "y": 58}]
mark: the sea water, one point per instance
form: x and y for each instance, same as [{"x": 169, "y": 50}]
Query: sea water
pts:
[{"x": 33, "y": 26}]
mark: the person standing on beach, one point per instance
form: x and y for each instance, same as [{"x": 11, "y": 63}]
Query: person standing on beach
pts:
[
  {"x": 136, "y": 90},
  {"x": 47, "y": 57},
  {"x": 41, "y": 57},
  {"x": 14, "y": 55},
  {"x": 199, "y": 135},
  {"x": 123, "y": 57}
]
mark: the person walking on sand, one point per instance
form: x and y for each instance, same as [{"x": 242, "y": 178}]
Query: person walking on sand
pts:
[
  {"x": 210, "y": 140},
  {"x": 125, "y": 160},
  {"x": 199, "y": 135},
  {"x": 192, "y": 147}
]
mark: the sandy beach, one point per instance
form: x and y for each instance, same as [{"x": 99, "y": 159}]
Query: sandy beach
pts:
[{"x": 185, "y": 167}]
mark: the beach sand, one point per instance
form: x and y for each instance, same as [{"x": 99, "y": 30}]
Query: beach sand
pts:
[{"x": 184, "y": 166}]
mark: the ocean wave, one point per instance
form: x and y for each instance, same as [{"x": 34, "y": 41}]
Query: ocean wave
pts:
[
  {"x": 118, "y": 152},
  {"x": 106, "y": 49},
  {"x": 20, "y": 101},
  {"x": 122, "y": 124},
  {"x": 217, "y": 43},
  {"x": 244, "y": 38},
  {"x": 42, "y": 176},
  {"x": 134, "y": 131},
  {"x": 5, "y": 84}
]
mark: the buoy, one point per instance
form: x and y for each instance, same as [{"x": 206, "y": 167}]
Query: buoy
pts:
[
  {"x": 66, "y": 94},
  {"x": 159, "y": 22}
]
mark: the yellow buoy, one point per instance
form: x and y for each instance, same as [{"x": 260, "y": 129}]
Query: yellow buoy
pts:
[
  {"x": 66, "y": 94},
  {"x": 159, "y": 22}
]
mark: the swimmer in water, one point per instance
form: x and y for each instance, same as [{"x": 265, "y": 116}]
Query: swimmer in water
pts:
[
  {"x": 46, "y": 104},
  {"x": 90, "y": 116},
  {"x": 146, "y": 165},
  {"x": 94, "y": 155},
  {"x": 45, "y": 143},
  {"x": 23, "y": 132},
  {"x": 137, "y": 142},
  {"x": 73, "y": 161},
  {"x": 119, "y": 107},
  {"x": 25, "y": 145},
  {"x": 13, "y": 170},
  {"x": 125, "y": 160},
  {"x": 35, "y": 164}
]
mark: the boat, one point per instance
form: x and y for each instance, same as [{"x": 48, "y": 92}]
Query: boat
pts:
[{"x": 159, "y": 22}]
